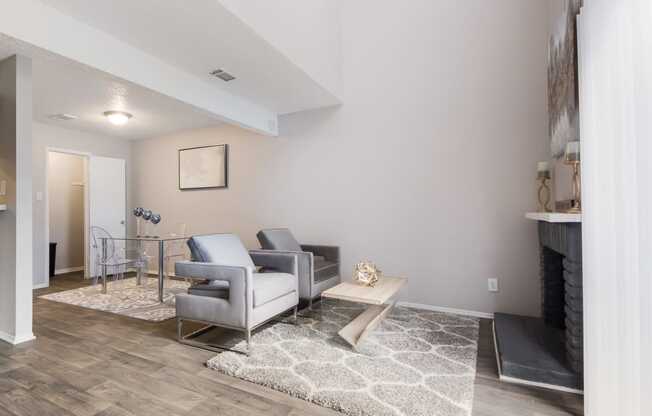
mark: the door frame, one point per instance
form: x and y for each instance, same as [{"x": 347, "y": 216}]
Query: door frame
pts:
[{"x": 46, "y": 196}]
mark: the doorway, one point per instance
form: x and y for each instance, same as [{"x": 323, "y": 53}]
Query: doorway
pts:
[
  {"x": 77, "y": 201},
  {"x": 67, "y": 213}
]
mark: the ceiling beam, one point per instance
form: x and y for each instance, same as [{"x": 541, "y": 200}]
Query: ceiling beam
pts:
[{"x": 43, "y": 26}]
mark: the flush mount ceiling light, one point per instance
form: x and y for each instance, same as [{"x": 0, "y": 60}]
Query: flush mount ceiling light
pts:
[{"x": 118, "y": 118}]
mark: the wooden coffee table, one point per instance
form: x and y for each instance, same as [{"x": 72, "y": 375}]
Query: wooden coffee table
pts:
[{"x": 376, "y": 297}]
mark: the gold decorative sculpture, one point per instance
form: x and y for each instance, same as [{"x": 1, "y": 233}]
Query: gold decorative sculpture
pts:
[{"x": 366, "y": 273}]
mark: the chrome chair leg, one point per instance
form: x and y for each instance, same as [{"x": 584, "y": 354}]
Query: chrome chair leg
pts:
[{"x": 187, "y": 339}]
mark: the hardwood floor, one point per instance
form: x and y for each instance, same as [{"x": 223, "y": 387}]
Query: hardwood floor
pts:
[{"x": 90, "y": 363}]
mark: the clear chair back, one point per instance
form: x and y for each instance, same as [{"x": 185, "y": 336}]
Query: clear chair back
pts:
[{"x": 97, "y": 234}]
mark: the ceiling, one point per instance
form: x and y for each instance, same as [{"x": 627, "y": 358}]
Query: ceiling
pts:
[
  {"x": 201, "y": 37},
  {"x": 64, "y": 86}
]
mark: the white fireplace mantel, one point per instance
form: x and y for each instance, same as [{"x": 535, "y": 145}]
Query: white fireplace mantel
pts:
[{"x": 554, "y": 216}]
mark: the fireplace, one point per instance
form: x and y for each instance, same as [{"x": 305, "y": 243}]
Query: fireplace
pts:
[{"x": 548, "y": 351}]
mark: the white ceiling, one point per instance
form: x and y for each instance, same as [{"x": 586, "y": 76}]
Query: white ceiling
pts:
[
  {"x": 64, "y": 86},
  {"x": 201, "y": 36}
]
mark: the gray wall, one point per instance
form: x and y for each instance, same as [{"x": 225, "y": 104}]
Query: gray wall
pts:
[
  {"x": 16, "y": 222},
  {"x": 66, "y": 204},
  {"x": 49, "y": 136},
  {"x": 427, "y": 169}
]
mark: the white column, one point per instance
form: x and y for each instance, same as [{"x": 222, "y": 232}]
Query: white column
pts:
[
  {"x": 16, "y": 222},
  {"x": 616, "y": 133}
]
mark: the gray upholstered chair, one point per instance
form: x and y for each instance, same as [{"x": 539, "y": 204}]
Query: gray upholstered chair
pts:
[
  {"x": 234, "y": 295},
  {"x": 319, "y": 266}
]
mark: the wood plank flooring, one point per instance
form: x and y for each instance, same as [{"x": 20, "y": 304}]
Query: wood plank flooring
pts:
[{"x": 90, "y": 363}]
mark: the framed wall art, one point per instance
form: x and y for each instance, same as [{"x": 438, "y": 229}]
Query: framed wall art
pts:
[{"x": 203, "y": 167}]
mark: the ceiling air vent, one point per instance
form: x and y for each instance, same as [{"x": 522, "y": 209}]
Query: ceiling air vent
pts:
[
  {"x": 223, "y": 75},
  {"x": 62, "y": 117}
]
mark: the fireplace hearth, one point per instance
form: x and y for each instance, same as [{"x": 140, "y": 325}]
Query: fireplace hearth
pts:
[{"x": 548, "y": 351}]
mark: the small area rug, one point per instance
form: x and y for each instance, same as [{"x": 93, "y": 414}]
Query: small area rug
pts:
[
  {"x": 126, "y": 298},
  {"x": 415, "y": 363}
]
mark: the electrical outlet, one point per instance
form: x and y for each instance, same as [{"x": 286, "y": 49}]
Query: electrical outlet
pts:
[{"x": 492, "y": 284}]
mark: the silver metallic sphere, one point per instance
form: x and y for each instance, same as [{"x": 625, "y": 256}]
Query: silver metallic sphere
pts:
[
  {"x": 156, "y": 218},
  {"x": 147, "y": 214},
  {"x": 138, "y": 212}
]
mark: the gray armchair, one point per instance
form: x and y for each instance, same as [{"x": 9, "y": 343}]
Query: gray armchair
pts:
[
  {"x": 233, "y": 295},
  {"x": 319, "y": 266}
]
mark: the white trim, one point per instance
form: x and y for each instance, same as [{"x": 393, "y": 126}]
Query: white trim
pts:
[
  {"x": 69, "y": 270},
  {"x": 476, "y": 314},
  {"x": 15, "y": 340},
  {"x": 554, "y": 216},
  {"x": 41, "y": 285},
  {"x": 514, "y": 380},
  {"x": 154, "y": 273}
]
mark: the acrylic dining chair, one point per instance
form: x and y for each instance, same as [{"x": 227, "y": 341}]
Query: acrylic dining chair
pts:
[{"x": 117, "y": 260}]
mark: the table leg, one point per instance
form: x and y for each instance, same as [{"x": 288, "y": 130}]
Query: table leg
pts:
[
  {"x": 103, "y": 263},
  {"x": 358, "y": 329},
  {"x": 139, "y": 269},
  {"x": 161, "y": 266}
]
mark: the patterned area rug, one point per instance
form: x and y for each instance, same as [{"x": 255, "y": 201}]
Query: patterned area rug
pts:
[
  {"x": 126, "y": 298},
  {"x": 415, "y": 363}
]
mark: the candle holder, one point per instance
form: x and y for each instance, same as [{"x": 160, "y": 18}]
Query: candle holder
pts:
[
  {"x": 138, "y": 213},
  {"x": 576, "y": 202},
  {"x": 544, "y": 191},
  {"x": 572, "y": 158},
  {"x": 143, "y": 218},
  {"x": 155, "y": 219}
]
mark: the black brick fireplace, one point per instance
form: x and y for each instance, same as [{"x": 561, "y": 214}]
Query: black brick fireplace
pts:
[{"x": 548, "y": 351}]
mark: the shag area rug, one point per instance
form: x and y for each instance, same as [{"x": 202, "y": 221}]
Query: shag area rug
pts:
[
  {"x": 126, "y": 298},
  {"x": 415, "y": 363}
]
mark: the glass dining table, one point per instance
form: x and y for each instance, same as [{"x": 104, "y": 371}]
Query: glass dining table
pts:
[{"x": 139, "y": 242}]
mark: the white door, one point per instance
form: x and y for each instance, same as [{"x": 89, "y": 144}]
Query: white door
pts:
[{"x": 108, "y": 200}]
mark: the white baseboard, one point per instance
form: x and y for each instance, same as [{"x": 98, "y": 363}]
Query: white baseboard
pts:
[
  {"x": 464, "y": 312},
  {"x": 154, "y": 273},
  {"x": 41, "y": 285},
  {"x": 68, "y": 270},
  {"x": 15, "y": 340}
]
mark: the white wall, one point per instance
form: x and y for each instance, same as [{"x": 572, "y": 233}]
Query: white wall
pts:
[
  {"x": 16, "y": 222},
  {"x": 307, "y": 32},
  {"x": 66, "y": 180},
  {"x": 50, "y": 136},
  {"x": 615, "y": 102},
  {"x": 427, "y": 168}
]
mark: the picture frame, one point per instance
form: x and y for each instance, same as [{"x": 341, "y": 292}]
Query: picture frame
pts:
[{"x": 203, "y": 167}]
